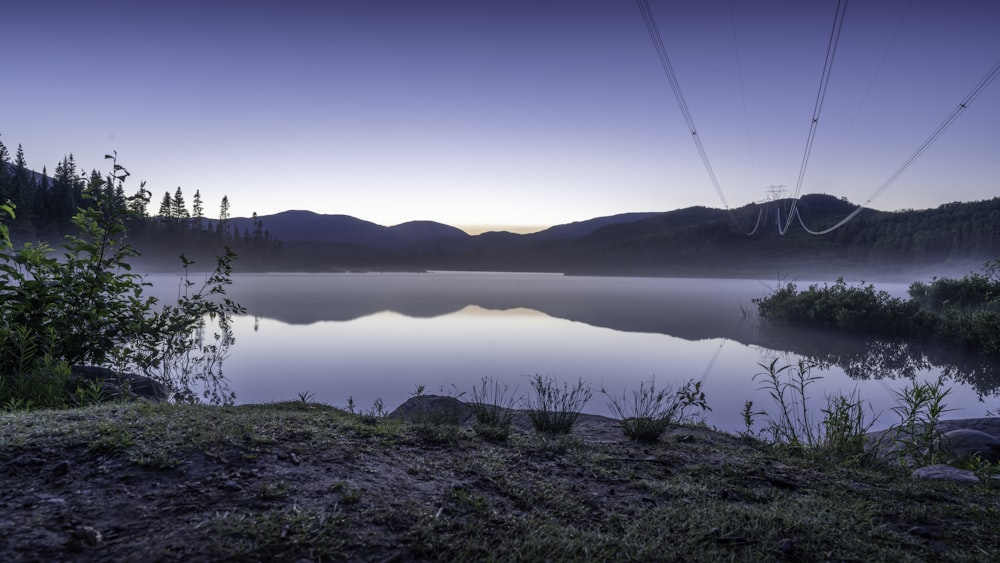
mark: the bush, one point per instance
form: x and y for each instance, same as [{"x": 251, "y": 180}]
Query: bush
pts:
[
  {"x": 963, "y": 311},
  {"x": 87, "y": 308},
  {"x": 553, "y": 410}
]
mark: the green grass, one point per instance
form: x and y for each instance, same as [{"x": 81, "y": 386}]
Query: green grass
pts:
[{"x": 229, "y": 488}]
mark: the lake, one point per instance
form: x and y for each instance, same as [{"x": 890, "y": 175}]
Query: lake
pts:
[{"x": 370, "y": 336}]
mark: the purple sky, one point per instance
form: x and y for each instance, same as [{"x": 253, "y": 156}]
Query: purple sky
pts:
[{"x": 504, "y": 114}]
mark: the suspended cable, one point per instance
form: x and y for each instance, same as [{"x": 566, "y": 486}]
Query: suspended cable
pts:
[
  {"x": 743, "y": 96},
  {"x": 711, "y": 363},
  {"x": 989, "y": 77},
  {"x": 668, "y": 69},
  {"x": 759, "y": 215},
  {"x": 831, "y": 51},
  {"x": 871, "y": 84}
]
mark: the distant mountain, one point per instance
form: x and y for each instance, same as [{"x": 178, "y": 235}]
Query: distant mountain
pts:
[
  {"x": 307, "y": 226},
  {"x": 583, "y": 228},
  {"x": 691, "y": 241}
]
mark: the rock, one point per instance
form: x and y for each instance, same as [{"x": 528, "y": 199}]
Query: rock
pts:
[
  {"x": 61, "y": 468},
  {"x": 435, "y": 409},
  {"x": 885, "y": 444},
  {"x": 113, "y": 383},
  {"x": 83, "y": 536},
  {"x": 960, "y": 445},
  {"x": 942, "y": 472}
]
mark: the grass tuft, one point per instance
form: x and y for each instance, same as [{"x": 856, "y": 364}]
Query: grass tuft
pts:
[
  {"x": 492, "y": 405},
  {"x": 649, "y": 412},
  {"x": 554, "y": 410}
]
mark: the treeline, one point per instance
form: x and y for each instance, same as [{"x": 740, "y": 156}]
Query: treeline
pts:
[{"x": 45, "y": 205}]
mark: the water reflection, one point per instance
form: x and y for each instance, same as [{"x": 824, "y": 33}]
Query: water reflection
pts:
[
  {"x": 864, "y": 358},
  {"x": 379, "y": 335}
]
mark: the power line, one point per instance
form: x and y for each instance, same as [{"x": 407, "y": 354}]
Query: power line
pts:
[
  {"x": 668, "y": 69},
  {"x": 831, "y": 51},
  {"x": 985, "y": 81}
]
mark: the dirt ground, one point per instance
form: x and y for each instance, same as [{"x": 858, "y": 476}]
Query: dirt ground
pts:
[{"x": 306, "y": 482}]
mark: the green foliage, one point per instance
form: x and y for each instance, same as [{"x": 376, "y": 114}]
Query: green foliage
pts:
[
  {"x": 920, "y": 407},
  {"x": 854, "y": 308},
  {"x": 838, "y": 437},
  {"x": 87, "y": 308},
  {"x": 492, "y": 405},
  {"x": 554, "y": 410},
  {"x": 649, "y": 412},
  {"x": 962, "y": 311},
  {"x": 793, "y": 424},
  {"x": 845, "y": 428}
]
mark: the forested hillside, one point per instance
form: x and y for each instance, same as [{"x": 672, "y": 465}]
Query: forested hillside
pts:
[
  {"x": 45, "y": 203},
  {"x": 755, "y": 240}
]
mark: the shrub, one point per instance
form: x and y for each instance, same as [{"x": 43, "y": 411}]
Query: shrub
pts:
[
  {"x": 86, "y": 307},
  {"x": 554, "y": 410},
  {"x": 649, "y": 412}
]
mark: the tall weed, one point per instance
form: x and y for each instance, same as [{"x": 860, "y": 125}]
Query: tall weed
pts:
[
  {"x": 920, "y": 407},
  {"x": 839, "y": 436}
]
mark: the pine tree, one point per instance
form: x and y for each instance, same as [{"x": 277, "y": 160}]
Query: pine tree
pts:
[
  {"x": 198, "y": 210},
  {"x": 179, "y": 207},
  {"x": 166, "y": 212},
  {"x": 4, "y": 173},
  {"x": 222, "y": 228},
  {"x": 22, "y": 193},
  {"x": 137, "y": 204},
  {"x": 64, "y": 196}
]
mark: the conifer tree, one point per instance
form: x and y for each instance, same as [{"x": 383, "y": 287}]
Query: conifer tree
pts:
[
  {"x": 222, "y": 229},
  {"x": 179, "y": 206},
  {"x": 197, "y": 209},
  {"x": 4, "y": 173},
  {"x": 166, "y": 212}
]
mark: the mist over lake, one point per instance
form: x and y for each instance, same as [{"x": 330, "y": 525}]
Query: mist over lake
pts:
[{"x": 377, "y": 336}]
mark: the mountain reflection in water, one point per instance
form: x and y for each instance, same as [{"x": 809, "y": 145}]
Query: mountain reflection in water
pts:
[{"x": 705, "y": 313}]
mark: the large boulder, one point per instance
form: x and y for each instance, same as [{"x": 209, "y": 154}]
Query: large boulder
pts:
[
  {"x": 435, "y": 409},
  {"x": 116, "y": 384},
  {"x": 961, "y": 445}
]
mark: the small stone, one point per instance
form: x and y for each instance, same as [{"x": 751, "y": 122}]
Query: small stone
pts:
[
  {"x": 786, "y": 546},
  {"x": 23, "y": 460},
  {"x": 61, "y": 468},
  {"x": 83, "y": 536},
  {"x": 942, "y": 472},
  {"x": 923, "y": 531},
  {"x": 231, "y": 485}
]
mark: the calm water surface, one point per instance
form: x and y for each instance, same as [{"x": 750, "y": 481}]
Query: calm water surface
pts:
[{"x": 371, "y": 336}]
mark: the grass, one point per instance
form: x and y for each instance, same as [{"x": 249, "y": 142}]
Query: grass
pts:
[
  {"x": 553, "y": 409},
  {"x": 493, "y": 407},
  {"x": 648, "y": 412},
  {"x": 840, "y": 436},
  {"x": 228, "y": 488}
]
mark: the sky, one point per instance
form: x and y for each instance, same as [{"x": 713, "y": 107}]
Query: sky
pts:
[{"x": 512, "y": 114}]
